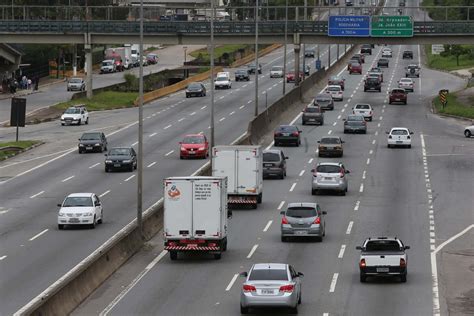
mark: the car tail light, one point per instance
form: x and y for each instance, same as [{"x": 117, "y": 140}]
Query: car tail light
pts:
[
  {"x": 295, "y": 134},
  {"x": 341, "y": 174},
  {"x": 403, "y": 263},
  {"x": 362, "y": 263},
  {"x": 287, "y": 288},
  {"x": 277, "y": 134},
  {"x": 284, "y": 220},
  {"x": 317, "y": 220},
  {"x": 249, "y": 288}
]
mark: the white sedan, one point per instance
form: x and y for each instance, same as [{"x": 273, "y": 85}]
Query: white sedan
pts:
[
  {"x": 406, "y": 83},
  {"x": 469, "y": 131},
  {"x": 335, "y": 91},
  {"x": 387, "y": 52},
  {"x": 80, "y": 209},
  {"x": 399, "y": 136},
  {"x": 363, "y": 109}
]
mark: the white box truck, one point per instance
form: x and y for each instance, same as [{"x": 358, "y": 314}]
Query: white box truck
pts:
[
  {"x": 242, "y": 165},
  {"x": 195, "y": 215}
]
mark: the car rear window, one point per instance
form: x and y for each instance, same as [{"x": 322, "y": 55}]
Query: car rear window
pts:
[
  {"x": 334, "y": 89},
  {"x": 119, "y": 152},
  {"x": 277, "y": 68},
  {"x": 194, "y": 86},
  {"x": 398, "y": 91},
  {"x": 312, "y": 110},
  {"x": 382, "y": 245},
  {"x": 268, "y": 274},
  {"x": 330, "y": 140},
  {"x": 77, "y": 201},
  {"x": 90, "y": 136},
  {"x": 272, "y": 157},
  {"x": 328, "y": 169},
  {"x": 399, "y": 132},
  {"x": 287, "y": 128},
  {"x": 301, "y": 212},
  {"x": 362, "y": 106},
  {"x": 323, "y": 100},
  {"x": 372, "y": 79},
  {"x": 193, "y": 140},
  {"x": 355, "y": 118}
]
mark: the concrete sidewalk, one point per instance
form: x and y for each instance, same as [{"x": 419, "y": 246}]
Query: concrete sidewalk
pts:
[{"x": 44, "y": 82}]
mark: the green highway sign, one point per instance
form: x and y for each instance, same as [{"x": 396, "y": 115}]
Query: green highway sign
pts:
[{"x": 391, "y": 26}]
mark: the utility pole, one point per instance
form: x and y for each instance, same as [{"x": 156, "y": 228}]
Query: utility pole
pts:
[
  {"x": 140, "y": 132},
  {"x": 286, "y": 43},
  {"x": 256, "y": 58},
  {"x": 212, "y": 76}
]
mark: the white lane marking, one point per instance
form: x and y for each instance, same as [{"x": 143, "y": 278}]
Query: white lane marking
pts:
[
  {"x": 169, "y": 153},
  {"x": 269, "y": 146},
  {"x": 252, "y": 251},
  {"x": 104, "y": 194},
  {"x": 281, "y": 205},
  {"x": 151, "y": 135},
  {"x": 361, "y": 188},
  {"x": 148, "y": 117},
  {"x": 222, "y": 119},
  {"x": 38, "y": 235},
  {"x": 4, "y": 211},
  {"x": 268, "y": 225},
  {"x": 35, "y": 195},
  {"x": 232, "y": 113},
  {"x": 330, "y": 131},
  {"x": 332, "y": 288},
  {"x": 339, "y": 117},
  {"x": 373, "y": 142},
  {"x": 204, "y": 107},
  {"x": 181, "y": 119},
  {"x": 249, "y": 101},
  {"x": 94, "y": 165},
  {"x": 381, "y": 118},
  {"x": 191, "y": 114},
  {"x": 166, "y": 127},
  {"x": 368, "y": 161},
  {"x": 232, "y": 281},
  {"x": 341, "y": 252},
  {"x": 363, "y": 174},
  {"x": 292, "y": 187},
  {"x": 2, "y": 257},
  {"x": 371, "y": 152},
  {"x": 134, "y": 144},
  {"x": 129, "y": 178},
  {"x": 376, "y": 133},
  {"x": 334, "y": 124},
  {"x": 356, "y": 207},
  {"x": 310, "y": 161},
  {"x": 134, "y": 282},
  {"x": 325, "y": 314},
  {"x": 349, "y": 228},
  {"x": 67, "y": 179},
  {"x": 241, "y": 107},
  {"x": 151, "y": 165},
  {"x": 302, "y": 172}
]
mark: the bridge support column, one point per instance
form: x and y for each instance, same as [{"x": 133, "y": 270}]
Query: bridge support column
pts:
[
  {"x": 297, "y": 64},
  {"x": 74, "y": 61},
  {"x": 329, "y": 56},
  {"x": 88, "y": 52}
]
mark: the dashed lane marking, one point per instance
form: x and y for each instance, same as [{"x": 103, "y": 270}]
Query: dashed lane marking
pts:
[
  {"x": 94, "y": 165},
  {"x": 38, "y": 235},
  {"x": 104, "y": 194},
  {"x": 341, "y": 251},
  {"x": 332, "y": 287},
  {"x": 349, "y": 227},
  {"x": 268, "y": 225},
  {"x": 302, "y": 172},
  {"x": 281, "y": 205},
  {"x": 67, "y": 179},
  {"x": 356, "y": 207},
  {"x": 292, "y": 187},
  {"x": 151, "y": 165},
  {"x": 129, "y": 178},
  {"x": 232, "y": 281},
  {"x": 37, "y": 194},
  {"x": 153, "y": 134},
  {"x": 166, "y": 127},
  {"x": 169, "y": 153},
  {"x": 252, "y": 251}
]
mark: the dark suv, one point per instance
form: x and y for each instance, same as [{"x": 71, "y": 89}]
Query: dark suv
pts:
[
  {"x": 313, "y": 114},
  {"x": 366, "y": 49},
  {"x": 92, "y": 141},
  {"x": 287, "y": 134},
  {"x": 408, "y": 54},
  {"x": 252, "y": 68},
  {"x": 373, "y": 83},
  {"x": 274, "y": 163},
  {"x": 242, "y": 74},
  {"x": 324, "y": 101}
]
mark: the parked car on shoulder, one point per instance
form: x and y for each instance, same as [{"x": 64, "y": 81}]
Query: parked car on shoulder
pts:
[
  {"x": 399, "y": 137},
  {"x": 92, "y": 141},
  {"x": 75, "y": 115},
  {"x": 195, "y": 89},
  {"x": 313, "y": 114},
  {"x": 276, "y": 72},
  {"x": 287, "y": 134},
  {"x": 121, "y": 158},
  {"x": 303, "y": 220},
  {"x": 194, "y": 146},
  {"x": 355, "y": 124},
  {"x": 77, "y": 84},
  {"x": 274, "y": 163},
  {"x": 397, "y": 95},
  {"x": 329, "y": 176},
  {"x": 324, "y": 101},
  {"x": 80, "y": 209},
  {"x": 330, "y": 146},
  {"x": 242, "y": 74}
]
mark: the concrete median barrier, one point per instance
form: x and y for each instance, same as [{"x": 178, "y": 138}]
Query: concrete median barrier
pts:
[{"x": 251, "y": 57}]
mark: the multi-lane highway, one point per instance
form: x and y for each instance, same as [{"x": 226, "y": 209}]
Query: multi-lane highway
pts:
[
  {"x": 391, "y": 192},
  {"x": 34, "y": 253}
]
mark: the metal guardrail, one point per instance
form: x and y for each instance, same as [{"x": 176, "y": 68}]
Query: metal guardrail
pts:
[{"x": 201, "y": 28}]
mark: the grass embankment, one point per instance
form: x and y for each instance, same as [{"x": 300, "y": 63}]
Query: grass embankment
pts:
[
  {"x": 218, "y": 52},
  {"x": 449, "y": 62},
  {"x": 455, "y": 107},
  {"x": 23, "y": 144},
  {"x": 107, "y": 100}
]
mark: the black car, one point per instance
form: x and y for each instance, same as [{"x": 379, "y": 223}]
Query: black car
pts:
[
  {"x": 373, "y": 83},
  {"x": 274, "y": 163},
  {"x": 287, "y": 134},
  {"x": 307, "y": 69},
  {"x": 366, "y": 49},
  {"x": 251, "y": 68},
  {"x": 407, "y": 54},
  {"x": 382, "y": 62},
  {"x": 195, "y": 89},
  {"x": 324, "y": 101},
  {"x": 92, "y": 141},
  {"x": 242, "y": 74},
  {"x": 309, "y": 53},
  {"x": 121, "y": 158}
]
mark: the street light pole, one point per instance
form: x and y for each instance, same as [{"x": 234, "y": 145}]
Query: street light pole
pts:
[
  {"x": 140, "y": 133},
  {"x": 286, "y": 43},
  {"x": 256, "y": 58},
  {"x": 212, "y": 76},
  {"x": 305, "y": 12}
]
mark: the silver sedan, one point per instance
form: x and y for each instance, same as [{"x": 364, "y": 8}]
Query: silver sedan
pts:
[
  {"x": 271, "y": 285},
  {"x": 303, "y": 220},
  {"x": 329, "y": 176}
]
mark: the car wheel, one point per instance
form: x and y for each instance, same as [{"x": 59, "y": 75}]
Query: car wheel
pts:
[
  {"x": 370, "y": 119},
  {"x": 299, "y": 299},
  {"x": 187, "y": 96},
  {"x": 92, "y": 226},
  {"x": 62, "y": 124},
  {"x": 362, "y": 278},
  {"x": 101, "y": 219},
  {"x": 79, "y": 122},
  {"x": 389, "y": 146},
  {"x": 106, "y": 169},
  {"x": 403, "y": 278},
  {"x": 303, "y": 122},
  {"x": 80, "y": 151},
  {"x": 467, "y": 133},
  {"x": 319, "y": 238},
  {"x": 244, "y": 310},
  {"x": 282, "y": 176},
  {"x": 259, "y": 198},
  {"x": 294, "y": 310},
  {"x": 173, "y": 255},
  {"x": 343, "y": 192},
  {"x": 181, "y": 157},
  {"x": 389, "y": 102},
  {"x": 130, "y": 169},
  {"x": 60, "y": 226},
  {"x": 314, "y": 192},
  {"x": 409, "y": 146},
  {"x": 284, "y": 239}
]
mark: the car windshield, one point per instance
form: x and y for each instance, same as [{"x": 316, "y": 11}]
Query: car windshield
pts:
[
  {"x": 91, "y": 136},
  {"x": 268, "y": 275},
  {"x": 107, "y": 63},
  {"x": 72, "y": 111},
  {"x": 355, "y": 64},
  {"x": 330, "y": 140},
  {"x": 75, "y": 80},
  {"x": 328, "y": 169},
  {"x": 399, "y": 132},
  {"x": 221, "y": 79},
  {"x": 362, "y": 106},
  {"x": 251, "y": 66},
  {"x": 271, "y": 157},
  {"x": 287, "y": 128},
  {"x": 77, "y": 201},
  {"x": 335, "y": 79},
  {"x": 119, "y": 152},
  {"x": 337, "y": 89},
  {"x": 193, "y": 140},
  {"x": 312, "y": 110},
  {"x": 355, "y": 118},
  {"x": 277, "y": 68},
  {"x": 382, "y": 245},
  {"x": 301, "y": 212}
]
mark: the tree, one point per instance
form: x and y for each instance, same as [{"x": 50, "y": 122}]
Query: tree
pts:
[{"x": 456, "y": 51}]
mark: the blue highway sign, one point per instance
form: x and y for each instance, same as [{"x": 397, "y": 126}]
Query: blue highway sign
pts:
[{"x": 349, "y": 25}]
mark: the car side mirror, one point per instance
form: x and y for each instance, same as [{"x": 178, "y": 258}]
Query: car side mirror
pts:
[
  {"x": 319, "y": 141},
  {"x": 282, "y": 213},
  {"x": 59, "y": 205},
  {"x": 300, "y": 274},
  {"x": 286, "y": 158},
  {"x": 243, "y": 274},
  {"x": 325, "y": 213},
  {"x": 98, "y": 204},
  {"x": 411, "y": 133},
  {"x": 358, "y": 248},
  {"x": 342, "y": 142},
  {"x": 407, "y": 247},
  {"x": 348, "y": 171},
  {"x": 79, "y": 139},
  {"x": 312, "y": 170}
]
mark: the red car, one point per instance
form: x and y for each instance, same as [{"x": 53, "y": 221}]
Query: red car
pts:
[
  {"x": 194, "y": 146},
  {"x": 355, "y": 67},
  {"x": 397, "y": 95},
  {"x": 290, "y": 77}
]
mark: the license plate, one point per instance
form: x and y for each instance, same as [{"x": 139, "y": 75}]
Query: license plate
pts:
[
  {"x": 397, "y": 100},
  {"x": 327, "y": 178},
  {"x": 301, "y": 232},
  {"x": 192, "y": 246},
  {"x": 192, "y": 152},
  {"x": 74, "y": 220},
  {"x": 268, "y": 164},
  {"x": 89, "y": 147},
  {"x": 312, "y": 120},
  {"x": 399, "y": 142},
  {"x": 116, "y": 165},
  {"x": 286, "y": 134},
  {"x": 268, "y": 292},
  {"x": 382, "y": 270}
]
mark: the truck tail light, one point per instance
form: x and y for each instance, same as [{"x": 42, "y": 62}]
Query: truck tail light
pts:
[
  {"x": 212, "y": 244},
  {"x": 403, "y": 263},
  {"x": 362, "y": 263},
  {"x": 172, "y": 244},
  {"x": 287, "y": 288},
  {"x": 284, "y": 220},
  {"x": 317, "y": 220},
  {"x": 249, "y": 288},
  {"x": 295, "y": 134}
]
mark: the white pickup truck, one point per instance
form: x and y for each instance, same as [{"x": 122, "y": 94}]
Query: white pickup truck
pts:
[{"x": 383, "y": 256}]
